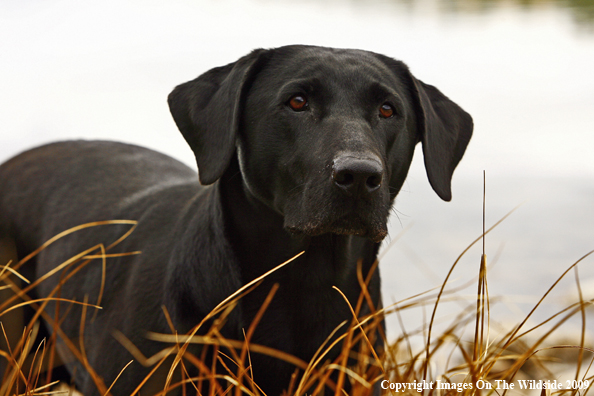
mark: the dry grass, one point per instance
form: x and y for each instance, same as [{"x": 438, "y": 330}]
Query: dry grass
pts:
[{"x": 454, "y": 359}]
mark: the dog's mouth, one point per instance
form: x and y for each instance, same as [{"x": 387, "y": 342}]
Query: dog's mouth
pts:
[
  {"x": 347, "y": 225},
  {"x": 321, "y": 209}
]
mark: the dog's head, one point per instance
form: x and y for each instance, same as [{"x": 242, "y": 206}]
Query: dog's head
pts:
[{"x": 323, "y": 136}]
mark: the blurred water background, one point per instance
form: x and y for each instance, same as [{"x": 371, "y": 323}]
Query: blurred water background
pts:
[{"x": 524, "y": 70}]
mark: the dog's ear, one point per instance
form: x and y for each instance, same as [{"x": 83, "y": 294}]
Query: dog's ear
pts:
[
  {"x": 445, "y": 130},
  {"x": 207, "y": 111}
]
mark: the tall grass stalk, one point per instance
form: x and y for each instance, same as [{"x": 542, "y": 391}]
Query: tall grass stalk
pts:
[{"x": 482, "y": 356}]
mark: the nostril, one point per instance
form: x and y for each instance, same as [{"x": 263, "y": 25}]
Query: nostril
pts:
[
  {"x": 343, "y": 178},
  {"x": 373, "y": 182}
]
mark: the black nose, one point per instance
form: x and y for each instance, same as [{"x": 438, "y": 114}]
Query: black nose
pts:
[{"x": 356, "y": 176}]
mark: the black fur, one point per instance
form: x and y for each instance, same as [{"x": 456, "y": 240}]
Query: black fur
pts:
[{"x": 274, "y": 191}]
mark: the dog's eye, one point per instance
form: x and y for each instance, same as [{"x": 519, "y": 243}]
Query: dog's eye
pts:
[
  {"x": 298, "y": 102},
  {"x": 386, "y": 110}
]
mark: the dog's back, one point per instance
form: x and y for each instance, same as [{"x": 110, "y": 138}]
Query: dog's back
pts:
[
  {"x": 47, "y": 190},
  {"x": 84, "y": 169}
]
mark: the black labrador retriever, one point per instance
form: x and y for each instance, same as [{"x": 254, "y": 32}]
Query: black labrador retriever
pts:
[{"x": 303, "y": 149}]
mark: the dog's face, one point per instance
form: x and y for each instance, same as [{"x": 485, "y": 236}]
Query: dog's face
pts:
[
  {"x": 319, "y": 136},
  {"x": 323, "y": 136}
]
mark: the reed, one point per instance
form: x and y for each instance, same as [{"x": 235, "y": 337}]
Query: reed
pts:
[{"x": 479, "y": 358}]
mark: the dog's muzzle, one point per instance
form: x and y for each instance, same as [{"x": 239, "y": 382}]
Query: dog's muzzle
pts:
[{"x": 355, "y": 204}]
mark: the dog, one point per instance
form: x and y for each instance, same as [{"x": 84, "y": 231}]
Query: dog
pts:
[{"x": 299, "y": 149}]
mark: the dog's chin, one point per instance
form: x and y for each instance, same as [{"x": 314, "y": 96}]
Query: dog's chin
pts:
[{"x": 343, "y": 226}]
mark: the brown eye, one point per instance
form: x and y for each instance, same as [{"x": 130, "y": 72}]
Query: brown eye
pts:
[
  {"x": 298, "y": 103},
  {"x": 386, "y": 110}
]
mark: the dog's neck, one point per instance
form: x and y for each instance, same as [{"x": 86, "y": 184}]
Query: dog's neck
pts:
[
  {"x": 251, "y": 240},
  {"x": 260, "y": 243}
]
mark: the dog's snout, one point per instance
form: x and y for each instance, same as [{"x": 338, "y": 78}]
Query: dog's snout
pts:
[{"x": 357, "y": 176}]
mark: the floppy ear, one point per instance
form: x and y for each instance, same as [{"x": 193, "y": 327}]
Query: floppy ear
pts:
[
  {"x": 207, "y": 112},
  {"x": 445, "y": 130}
]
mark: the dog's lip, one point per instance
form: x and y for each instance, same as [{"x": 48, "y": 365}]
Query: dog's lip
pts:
[{"x": 347, "y": 225}]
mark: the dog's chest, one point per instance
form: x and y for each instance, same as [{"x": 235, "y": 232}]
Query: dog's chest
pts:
[{"x": 297, "y": 320}]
